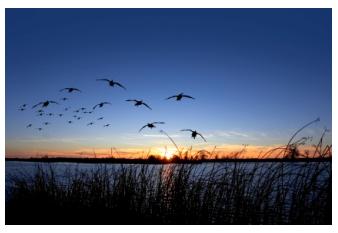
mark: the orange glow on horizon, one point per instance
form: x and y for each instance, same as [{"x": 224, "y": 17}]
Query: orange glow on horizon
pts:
[{"x": 222, "y": 151}]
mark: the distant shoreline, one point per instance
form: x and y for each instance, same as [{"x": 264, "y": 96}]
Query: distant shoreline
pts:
[{"x": 160, "y": 161}]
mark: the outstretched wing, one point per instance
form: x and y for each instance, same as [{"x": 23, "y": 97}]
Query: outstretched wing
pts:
[
  {"x": 158, "y": 122},
  {"x": 147, "y": 105},
  {"x": 63, "y": 89},
  {"x": 142, "y": 128},
  {"x": 174, "y": 96},
  {"x": 106, "y": 103},
  {"x": 75, "y": 89},
  {"x": 132, "y": 100},
  {"x": 37, "y": 104},
  {"x": 53, "y": 102},
  {"x": 103, "y": 79},
  {"x": 96, "y": 106},
  {"x": 120, "y": 85},
  {"x": 186, "y": 130},
  {"x": 202, "y": 137},
  {"x": 188, "y": 96}
]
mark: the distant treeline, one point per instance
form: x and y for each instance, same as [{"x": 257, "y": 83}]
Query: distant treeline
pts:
[{"x": 157, "y": 160}]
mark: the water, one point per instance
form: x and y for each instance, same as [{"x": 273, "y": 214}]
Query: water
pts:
[{"x": 63, "y": 170}]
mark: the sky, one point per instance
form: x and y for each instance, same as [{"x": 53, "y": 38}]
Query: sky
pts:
[{"x": 257, "y": 76}]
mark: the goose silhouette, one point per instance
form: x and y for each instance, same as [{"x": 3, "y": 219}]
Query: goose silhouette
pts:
[
  {"x": 112, "y": 83},
  {"x": 69, "y": 122},
  {"x": 194, "y": 133},
  {"x": 100, "y": 105},
  {"x": 64, "y": 99},
  {"x": 79, "y": 118},
  {"x": 60, "y": 115},
  {"x": 29, "y": 125},
  {"x": 66, "y": 109},
  {"x": 23, "y": 106},
  {"x": 180, "y": 96},
  {"x": 106, "y": 125},
  {"x": 69, "y": 89},
  {"x": 139, "y": 102},
  {"x": 90, "y": 123},
  {"x": 151, "y": 125},
  {"x": 45, "y": 103},
  {"x": 46, "y": 123},
  {"x": 21, "y": 109},
  {"x": 100, "y": 118},
  {"x": 39, "y": 129}
]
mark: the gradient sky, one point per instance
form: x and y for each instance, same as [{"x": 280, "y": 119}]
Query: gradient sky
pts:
[{"x": 257, "y": 75}]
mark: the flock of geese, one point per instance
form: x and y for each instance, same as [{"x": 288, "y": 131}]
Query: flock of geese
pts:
[{"x": 44, "y": 104}]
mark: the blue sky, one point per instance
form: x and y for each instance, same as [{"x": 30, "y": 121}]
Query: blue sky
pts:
[{"x": 257, "y": 75}]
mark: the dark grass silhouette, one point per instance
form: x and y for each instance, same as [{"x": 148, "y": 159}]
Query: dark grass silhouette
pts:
[{"x": 244, "y": 193}]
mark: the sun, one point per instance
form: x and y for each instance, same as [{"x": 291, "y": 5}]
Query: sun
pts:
[{"x": 166, "y": 153}]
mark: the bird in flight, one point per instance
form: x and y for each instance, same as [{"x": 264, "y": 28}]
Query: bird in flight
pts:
[
  {"x": 151, "y": 125},
  {"x": 28, "y": 126},
  {"x": 106, "y": 125},
  {"x": 60, "y": 115},
  {"x": 66, "y": 109},
  {"x": 90, "y": 123},
  {"x": 139, "y": 102},
  {"x": 23, "y": 106},
  {"x": 22, "y": 109},
  {"x": 112, "y": 83},
  {"x": 100, "y": 105},
  {"x": 50, "y": 114},
  {"x": 79, "y": 118},
  {"x": 180, "y": 96},
  {"x": 69, "y": 122},
  {"x": 194, "y": 133},
  {"x": 45, "y": 103},
  {"x": 46, "y": 123},
  {"x": 70, "y": 89},
  {"x": 64, "y": 99},
  {"x": 39, "y": 129},
  {"x": 101, "y": 118}
]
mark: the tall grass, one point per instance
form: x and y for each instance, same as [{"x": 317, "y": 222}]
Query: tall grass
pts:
[{"x": 220, "y": 193}]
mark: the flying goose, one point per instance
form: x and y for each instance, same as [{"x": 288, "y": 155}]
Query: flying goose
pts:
[
  {"x": 106, "y": 125},
  {"x": 100, "y": 118},
  {"x": 194, "y": 133},
  {"x": 28, "y": 126},
  {"x": 70, "y": 89},
  {"x": 112, "y": 83},
  {"x": 151, "y": 125},
  {"x": 139, "y": 102},
  {"x": 180, "y": 96},
  {"x": 100, "y": 105},
  {"x": 45, "y": 103},
  {"x": 90, "y": 123}
]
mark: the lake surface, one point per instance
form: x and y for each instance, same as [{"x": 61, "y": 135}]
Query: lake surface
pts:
[{"x": 19, "y": 169}]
